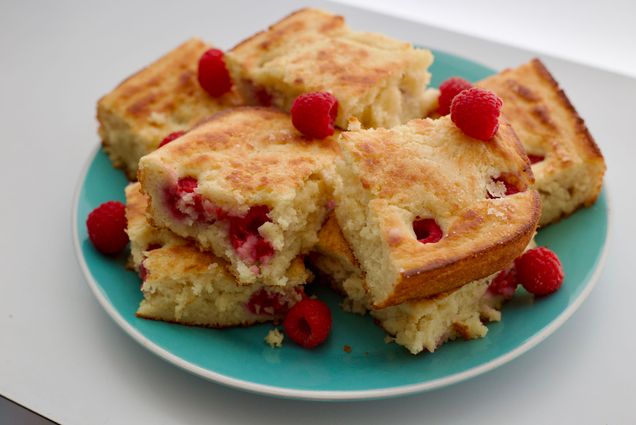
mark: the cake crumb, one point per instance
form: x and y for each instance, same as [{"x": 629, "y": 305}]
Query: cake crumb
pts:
[
  {"x": 274, "y": 338},
  {"x": 347, "y": 348},
  {"x": 388, "y": 339}
]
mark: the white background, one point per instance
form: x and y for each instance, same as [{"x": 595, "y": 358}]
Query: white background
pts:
[{"x": 61, "y": 355}]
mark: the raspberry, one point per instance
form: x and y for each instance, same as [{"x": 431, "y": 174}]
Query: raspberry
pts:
[
  {"x": 539, "y": 271},
  {"x": 308, "y": 323},
  {"x": 170, "y": 137},
  {"x": 213, "y": 75},
  {"x": 447, "y": 92},
  {"x": 476, "y": 111},
  {"x": 314, "y": 114},
  {"x": 106, "y": 226},
  {"x": 143, "y": 271},
  {"x": 262, "y": 302},
  {"x": 535, "y": 158},
  {"x": 244, "y": 236},
  {"x": 505, "y": 283},
  {"x": 427, "y": 230},
  {"x": 511, "y": 189}
]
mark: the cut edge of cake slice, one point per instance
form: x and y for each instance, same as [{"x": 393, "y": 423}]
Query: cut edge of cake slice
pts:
[
  {"x": 183, "y": 285},
  {"x": 428, "y": 171}
]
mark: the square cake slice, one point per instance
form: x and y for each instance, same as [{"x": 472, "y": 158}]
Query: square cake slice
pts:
[
  {"x": 418, "y": 325},
  {"x": 162, "y": 98},
  {"x": 427, "y": 209},
  {"x": 183, "y": 285},
  {"x": 379, "y": 80},
  {"x": 567, "y": 164},
  {"x": 246, "y": 185}
]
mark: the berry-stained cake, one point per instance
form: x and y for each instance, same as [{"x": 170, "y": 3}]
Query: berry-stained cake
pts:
[
  {"x": 379, "y": 80},
  {"x": 163, "y": 98},
  {"x": 181, "y": 284},
  {"x": 418, "y": 325},
  {"x": 245, "y": 185},
  {"x": 427, "y": 209},
  {"x": 567, "y": 164}
]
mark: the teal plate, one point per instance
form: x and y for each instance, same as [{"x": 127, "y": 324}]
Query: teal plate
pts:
[{"x": 239, "y": 357}]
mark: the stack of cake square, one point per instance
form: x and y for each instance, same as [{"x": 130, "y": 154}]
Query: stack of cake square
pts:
[{"x": 223, "y": 217}]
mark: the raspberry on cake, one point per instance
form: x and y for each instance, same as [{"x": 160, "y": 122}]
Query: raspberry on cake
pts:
[
  {"x": 567, "y": 164},
  {"x": 391, "y": 179},
  {"x": 417, "y": 325},
  {"x": 181, "y": 284},
  {"x": 162, "y": 98},
  {"x": 245, "y": 185},
  {"x": 379, "y": 80}
]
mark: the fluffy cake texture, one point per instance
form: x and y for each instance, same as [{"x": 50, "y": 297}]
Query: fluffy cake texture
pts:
[
  {"x": 417, "y": 325},
  {"x": 379, "y": 80},
  {"x": 184, "y": 285},
  {"x": 160, "y": 99},
  {"x": 428, "y": 169},
  {"x": 570, "y": 168},
  {"x": 244, "y": 163}
]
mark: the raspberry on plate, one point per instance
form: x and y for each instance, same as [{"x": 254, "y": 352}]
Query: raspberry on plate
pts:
[
  {"x": 212, "y": 73},
  {"x": 476, "y": 112},
  {"x": 314, "y": 114},
  {"x": 308, "y": 323},
  {"x": 539, "y": 271},
  {"x": 505, "y": 283},
  {"x": 447, "y": 92},
  {"x": 106, "y": 226}
]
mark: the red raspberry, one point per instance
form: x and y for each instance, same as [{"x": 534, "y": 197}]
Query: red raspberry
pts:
[
  {"x": 314, "y": 114},
  {"x": 170, "y": 137},
  {"x": 539, "y": 271},
  {"x": 308, "y": 323},
  {"x": 106, "y": 226},
  {"x": 505, "y": 283},
  {"x": 535, "y": 158},
  {"x": 213, "y": 75},
  {"x": 447, "y": 92},
  {"x": 476, "y": 112},
  {"x": 244, "y": 236},
  {"x": 427, "y": 230}
]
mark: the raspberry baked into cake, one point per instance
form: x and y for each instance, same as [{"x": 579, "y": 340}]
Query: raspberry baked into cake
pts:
[
  {"x": 567, "y": 164},
  {"x": 181, "y": 284},
  {"x": 379, "y": 80},
  {"x": 245, "y": 185},
  {"x": 426, "y": 208},
  {"x": 163, "y": 98}
]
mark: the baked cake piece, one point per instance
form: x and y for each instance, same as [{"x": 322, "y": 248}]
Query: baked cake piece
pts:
[
  {"x": 184, "y": 285},
  {"x": 160, "y": 99},
  {"x": 379, "y": 80},
  {"x": 246, "y": 185},
  {"x": 427, "y": 209},
  {"x": 417, "y": 325},
  {"x": 567, "y": 164}
]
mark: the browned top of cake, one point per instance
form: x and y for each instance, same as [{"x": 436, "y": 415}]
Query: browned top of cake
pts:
[
  {"x": 165, "y": 92},
  {"x": 245, "y": 152},
  {"x": 543, "y": 117}
]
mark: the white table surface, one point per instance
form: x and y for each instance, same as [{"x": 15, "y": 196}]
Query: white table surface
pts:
[{"x": 61, "y": 355}]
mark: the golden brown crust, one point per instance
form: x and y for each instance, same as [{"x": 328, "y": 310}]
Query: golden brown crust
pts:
[
  {"x": 457, "y": 268},
  {"x": 245, "y": 150},
  {"x": 430, "y": 169},
  {"x": 548, "y": 125},
  {"x": 161, "y": 98}
]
